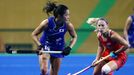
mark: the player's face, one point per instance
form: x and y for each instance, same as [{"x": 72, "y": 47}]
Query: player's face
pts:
[
  {"x": 102, "y": 26},
  {"x": 66, "y": 15}
]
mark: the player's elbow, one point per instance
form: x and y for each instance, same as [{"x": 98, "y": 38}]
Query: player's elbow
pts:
[
  {"x": 127, "y": 45},
  {"x": 33, "y": 34},
  {"x": 75, "y": 37}
]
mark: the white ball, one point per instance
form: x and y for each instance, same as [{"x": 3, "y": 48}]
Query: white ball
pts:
[{"x": 69, "y": 74}]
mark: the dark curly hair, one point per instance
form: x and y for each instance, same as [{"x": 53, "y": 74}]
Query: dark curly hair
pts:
[{"x": 56, "y": 10}]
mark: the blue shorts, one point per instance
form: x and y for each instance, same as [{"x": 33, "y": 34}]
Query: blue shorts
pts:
[
  {"x": 59, "y": 55},
  {"x": 131, "y": 41}
]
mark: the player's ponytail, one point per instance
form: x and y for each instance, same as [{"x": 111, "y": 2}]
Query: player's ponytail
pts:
[
  {"x": 49, "y": 8},
  {"x": 56, "y": 10}
]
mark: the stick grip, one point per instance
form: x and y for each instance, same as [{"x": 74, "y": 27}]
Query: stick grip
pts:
[{"x": 102, "y": 59}]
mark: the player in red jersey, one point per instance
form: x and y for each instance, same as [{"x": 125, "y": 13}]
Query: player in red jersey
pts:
[{"x": 111, "y": 43}]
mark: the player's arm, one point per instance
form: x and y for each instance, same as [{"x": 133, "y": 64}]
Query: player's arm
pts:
[
  {"x": 38, "y": 30},
  {"x": 99, "y": 50},
  {"x": 120, "y": 40},
  {"x": 72, "y": 33},
  {"x": 127, "y": 25}
]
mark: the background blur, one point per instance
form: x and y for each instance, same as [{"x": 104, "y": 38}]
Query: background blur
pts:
[{"x": 18, "y": 18}]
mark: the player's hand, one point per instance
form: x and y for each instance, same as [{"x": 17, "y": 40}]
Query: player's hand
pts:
[
  {"x": 113, "y": 55},
  {"x": 93, "y": 63},
  {"x": 66, "y": 51},
  {"x": 39, "y": 49}
]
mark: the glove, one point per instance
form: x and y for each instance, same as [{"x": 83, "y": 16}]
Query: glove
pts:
[
  {"x": 93, "y": 63},
  {"x": 66, "y": 51},
  {"x": 8, "y": 49},
  {"x": 113, "y": 54},
  {"x": 39, "y": 49}
]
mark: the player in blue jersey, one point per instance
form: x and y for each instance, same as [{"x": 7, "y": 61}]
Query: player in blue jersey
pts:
[
  {"x": 54, "y": 29},
  {"x": 129, "y": 30}
]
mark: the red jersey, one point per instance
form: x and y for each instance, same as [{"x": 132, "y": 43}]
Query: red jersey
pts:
[{"x": 110, "y": 45}]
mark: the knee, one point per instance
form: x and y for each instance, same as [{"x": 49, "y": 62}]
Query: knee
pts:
[
  {"x": 105, "y": 69},
  {"x": 96, "y": 72},
  {"x": 44, "y": 72}
]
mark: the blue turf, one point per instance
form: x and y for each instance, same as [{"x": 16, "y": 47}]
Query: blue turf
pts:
[{"x": 28, "y": 65}]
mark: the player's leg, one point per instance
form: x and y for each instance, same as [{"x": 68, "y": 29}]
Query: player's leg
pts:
[
  {"x": 109, "y": 67},
  {"x": 97, "y": 68},
  {"x": 43, "y": 60},
  {"x": 55, "y": 65},
  {"x": 114, "y": 64}
]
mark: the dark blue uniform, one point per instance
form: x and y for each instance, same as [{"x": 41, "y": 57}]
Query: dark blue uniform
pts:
[
  {"x": 131, "y": 33},
  {"x": 53, "y": 39}
]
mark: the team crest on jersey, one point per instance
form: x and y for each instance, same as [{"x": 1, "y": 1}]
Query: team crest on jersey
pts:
[
  {"x": 108, "y": 45},
  {"x": 61, "y": 30}
]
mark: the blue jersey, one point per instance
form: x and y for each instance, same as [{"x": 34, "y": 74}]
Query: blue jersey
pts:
[
  {"x": 131, "y": 32},
  {"x": 53, "y": 39},
  {"x": 131, "y": 28}
]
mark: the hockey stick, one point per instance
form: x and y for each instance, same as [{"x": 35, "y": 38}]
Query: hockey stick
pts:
[
  {"x": 90, "y": 66},
  {"x": 10, "y": 51}
]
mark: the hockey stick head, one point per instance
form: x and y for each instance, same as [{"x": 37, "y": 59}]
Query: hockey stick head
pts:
[
  {"x": 81, "y": 71},
  {"x": 8, "y": 49}
]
